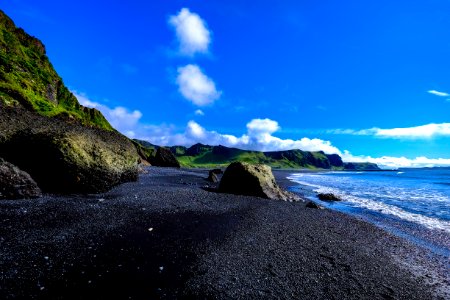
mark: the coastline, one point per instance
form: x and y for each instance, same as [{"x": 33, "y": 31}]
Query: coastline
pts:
[
  {"x": 435, "y": 239},
  {"x": 166, "y": 236}
]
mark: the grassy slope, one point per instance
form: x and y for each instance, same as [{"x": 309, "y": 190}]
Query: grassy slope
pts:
[
  {"x": 27, "y": 78},
  {"x": 209, "y": 158}
]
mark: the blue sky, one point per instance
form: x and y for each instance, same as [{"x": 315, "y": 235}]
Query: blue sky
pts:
[{"x": 367, "y": 80}]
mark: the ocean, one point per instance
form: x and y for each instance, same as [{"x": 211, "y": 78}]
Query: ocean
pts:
[{"x": 411, "y": 203}]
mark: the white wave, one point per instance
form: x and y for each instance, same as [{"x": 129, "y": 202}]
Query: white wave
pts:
[
  {"x": 388, "y": 209},
  {"x": 400, "y": 172},
  {"x": 294, "y": 179},
  {"x": 378, "y": 206}
]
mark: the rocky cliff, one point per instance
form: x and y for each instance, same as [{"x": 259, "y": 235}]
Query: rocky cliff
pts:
[{"x": 65, "y": 147}]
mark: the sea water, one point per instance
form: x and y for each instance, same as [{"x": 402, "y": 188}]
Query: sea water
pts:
[{"x": 414, "y": 203}]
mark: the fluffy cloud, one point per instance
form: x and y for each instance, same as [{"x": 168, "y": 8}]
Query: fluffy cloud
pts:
[
  {"x": 262, "y": 126},
  {"x": 415, "y": 132},
  {"x": 398, "y": 162},
  {"x": 437, "y": 93},
  {"x": 199, "y": 112},
  {"x": 196, "y": 86},
  {"x": 424, "y": 131},
  {"x": 120, "y": 118},
  {"x": 192, "y": 32},
  {"x": 258, "y": 137}
]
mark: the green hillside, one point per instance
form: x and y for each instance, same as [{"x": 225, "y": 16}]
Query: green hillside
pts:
[
  {"x": 28, "y": 79},
  {"x": 206, "y": 156}
]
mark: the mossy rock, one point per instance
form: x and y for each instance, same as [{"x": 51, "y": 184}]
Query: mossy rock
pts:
[
  {"x": 66, "y": 158},
  {"x": 253, "y": 180}
]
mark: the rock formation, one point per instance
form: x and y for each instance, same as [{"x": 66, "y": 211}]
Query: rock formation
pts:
[
  {"x": 328, "y": 197},
  {"x": 65, "y": 147},
  {"x": 15, "y": 183},
  {"x": 253, "y": 180},
  {"x": 213, "y": 175},
  {"x": 164, "y": 158}
]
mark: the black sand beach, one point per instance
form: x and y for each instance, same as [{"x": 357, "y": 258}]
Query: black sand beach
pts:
[{"x": 167, "y": 237}]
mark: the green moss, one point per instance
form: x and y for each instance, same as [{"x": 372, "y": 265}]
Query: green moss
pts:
[{"x": 28, "y": 78}]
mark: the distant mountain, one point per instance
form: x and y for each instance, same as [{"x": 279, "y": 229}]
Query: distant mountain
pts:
[
  {"x": 200, "y": 155},
  {"x": 365, "y": 166}
]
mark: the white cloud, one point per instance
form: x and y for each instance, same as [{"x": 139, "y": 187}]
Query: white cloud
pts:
[
  {"x": 192, "y": 32},
  {"x": 423, "y": 131},
  {"x": 196, "y": 86},
  {"x": 437, "y": 93},
  {"x": 262, "y": 126},
  {"x": 416, "y": 132},
  {"x": 258, "y": 137},
  {"x": 398, "y": 162},
  {"x": 199, "y": 112},
  {"x": 119, "y": 117}
]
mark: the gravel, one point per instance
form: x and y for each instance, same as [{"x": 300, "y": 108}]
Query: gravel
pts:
[{"x": 171, "y": 236}]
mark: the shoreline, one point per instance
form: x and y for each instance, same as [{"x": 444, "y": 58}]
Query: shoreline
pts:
[
  {"x": 166, "y": 236},
  {"x": 436, "y": 240}
]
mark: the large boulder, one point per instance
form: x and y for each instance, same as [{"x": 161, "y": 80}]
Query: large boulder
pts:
[
  {"x": 15, "y": 183},
  {"x": 64, "y": 157},
  {"x": 164, "y": 158},
  {"x": 253, "y": 180}
]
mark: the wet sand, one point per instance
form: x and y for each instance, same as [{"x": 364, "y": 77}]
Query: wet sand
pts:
[{"x": 168, "y": 236}]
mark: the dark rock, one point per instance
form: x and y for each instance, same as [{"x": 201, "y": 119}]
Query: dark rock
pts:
[
  {"x": 253, "y": 180},
  {"x": 15, "y": 183},
  {"x": 335, "y": 160},
  {"x": 328, "y": 197},
  {"x": 212, "y": 177},
  {"x": 216, "y": 171},
  {"x": 311, "y": 204},
  {"x": 164, "y": 158},
  {"x": 63, "y": 157}
]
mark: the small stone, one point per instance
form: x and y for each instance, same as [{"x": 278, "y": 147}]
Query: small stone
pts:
[
  {"x": 150, "y": 229},
  {"x": 328, "y": 197},
  {"x": 311, "y": 204},
  {"x": 161, "y": 269}
]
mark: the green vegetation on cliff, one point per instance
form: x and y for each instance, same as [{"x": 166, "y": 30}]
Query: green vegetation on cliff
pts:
[
  {"x": 28, "y": 79},
  {"x": 205, "y": 156}
]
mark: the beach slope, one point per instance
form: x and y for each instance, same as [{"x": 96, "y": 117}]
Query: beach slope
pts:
[{"x": 169, "y": 236}]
